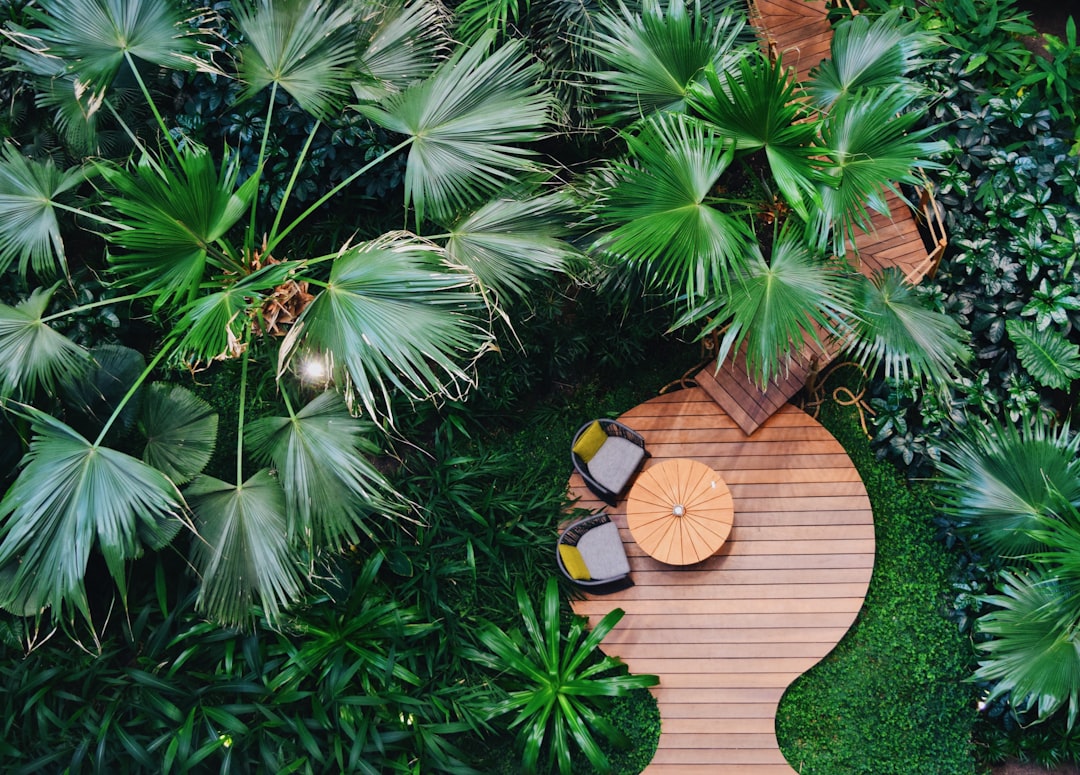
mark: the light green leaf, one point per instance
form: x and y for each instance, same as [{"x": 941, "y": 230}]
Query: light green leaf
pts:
[
  {"x": 304, "y": 46},
  {"x": 29, "y": 229},
  {"x": 755, "y": 106},
  {"x": 390, "y": 316},
  {"x": 464, "y": 122},
  {"x": 776, "y": 306},
  {"x": 1048, "y": 356},
  {"x": 660, "y": 205},
  {"x": 180, "y": 430},
  {"x": 507, "y": 243},
  {"x": 70, "y": 497},
  {"x": 330, "y": 487},
  {"x": 241, "y": 551},
  {"x": 174, "y": 217},
  {"x": 403, "y": 42},
  {"x": 869, "y": 54},
  {"x": 93, "y": 36},
  {"x": 1032, "y": 653},
  {"x": 655, "y": 57},
  {"x": 892, "y": 326},
  {"x": 32, "y": 354},
  {"x": 999, "y": 480}
]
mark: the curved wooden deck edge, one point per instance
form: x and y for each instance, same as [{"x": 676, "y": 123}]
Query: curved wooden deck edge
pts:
[{"x": 729, "y": 635}]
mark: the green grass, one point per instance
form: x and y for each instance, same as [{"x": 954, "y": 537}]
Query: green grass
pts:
[{"x": 891, "y": 699}]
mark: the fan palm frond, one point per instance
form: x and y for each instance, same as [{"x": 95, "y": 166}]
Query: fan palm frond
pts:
[
  {"x": 29, "y": 230},
  {"x": 508, "y": 242},
  {"x": 400, "y": 44},
  {"x": 873, "y": 146},
  {"x": 241, "y": 552},
  {"x": 306, "y": 47},
  {"x": 173, "y": 219},
  {"x": 661, "y": 209},
  {"x": 999, "y": 480},
  {"x": 464, "y": 121},
  {"x": 754, "y": 105},
  {"x": 893, "y": 327},
  {"x": 70, "y": 496},
  {"x": 330, "y": 487},
  {"x": 390, "y": 316},
  {"x": 656, "y": 56},
  {"x": 94, "y": 37},
  {"x": 33, "y": 354},
  {"x": 180, "y": 430},
  {"x": 777, "y": 306},
  {"x": 1032, "y": 654},
  {"x": 868, "y": 54}
]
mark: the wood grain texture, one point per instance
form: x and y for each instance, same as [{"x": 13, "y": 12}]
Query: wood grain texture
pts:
[{"x": 728, "y": 635}]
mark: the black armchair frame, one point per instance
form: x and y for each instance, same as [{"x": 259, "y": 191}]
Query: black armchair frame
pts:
[{"x": 611, "y": 428}]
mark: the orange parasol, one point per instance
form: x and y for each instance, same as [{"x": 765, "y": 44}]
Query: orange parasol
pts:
[{"x": 680, "y": 511}]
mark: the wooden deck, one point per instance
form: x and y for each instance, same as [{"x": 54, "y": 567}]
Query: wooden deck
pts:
[
  {"x": 727, "y": 636},
  {"x": 796, "y": 30}
]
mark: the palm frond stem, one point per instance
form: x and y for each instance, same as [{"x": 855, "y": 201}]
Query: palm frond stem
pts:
[
  {"x": 150, "y": 102},
  {"x": 166, "y": 350},
  {"x": 295, "y": 174},
  {"x": 244, "y": 359},
  {"x": 251, "y": 232},
  {"x": 275, "y": 239},
  {"x": 95, "y": 304}
]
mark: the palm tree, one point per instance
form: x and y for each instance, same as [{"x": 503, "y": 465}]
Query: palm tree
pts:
[
  {"x": 394, "y": 315},
  {"x": 686, "y": 205}
]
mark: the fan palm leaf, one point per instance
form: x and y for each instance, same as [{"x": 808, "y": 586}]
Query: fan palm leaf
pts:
[
  {"x": 868, "y": 54},
  {"x": 94, "y": 37},
  {"x": 33, "y": 354},
  {"x": 94, "y": 394},
  {"x": 180, "y": 430},
  {"x": 464, "y": 121},
  {"x": 306, "y": 47},
  {"x": 999, "y": 480},
  {"x": 661, "y": 207},
  {"x": 241, "y": 552},
  {"x": 330, "y": 487},
  {"x": 776, "y": 307},
  {"x": 476, "y": 17},
  {"x": 70, "y": 496},
  {"x": 872, "y": 147},
  {"x": 401, "y": 45},
  {"x": 173, "y": 219},
  {"x": 755, "y": 106},
  {"x": 1033, "y": 653},
  {"x": 389, "y": 316},
  {"x": 893, "y": 327},
  {"x": 29, "y": 229},
  {"x": 507, "y": 243},
  {"x": 1047, "y": 355},
  {"x": 656, "y": 56}
]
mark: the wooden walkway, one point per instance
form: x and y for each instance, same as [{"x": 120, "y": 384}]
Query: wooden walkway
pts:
[
  {"x": 796, "y": 30},
  {"x": 727, "y": 636}
]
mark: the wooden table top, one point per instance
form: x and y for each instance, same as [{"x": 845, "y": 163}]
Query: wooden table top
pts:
[{"x": 680, "y": 511}]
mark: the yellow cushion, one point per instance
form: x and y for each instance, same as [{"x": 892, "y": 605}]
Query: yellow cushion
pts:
[
  {"x": 574, "y": 562},
  {"x": 589, "y": 443}
]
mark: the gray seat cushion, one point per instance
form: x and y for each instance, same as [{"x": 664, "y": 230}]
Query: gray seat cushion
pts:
[
  {"x": 615, "y": 462},
  {"x": 603, "y": 552}
]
